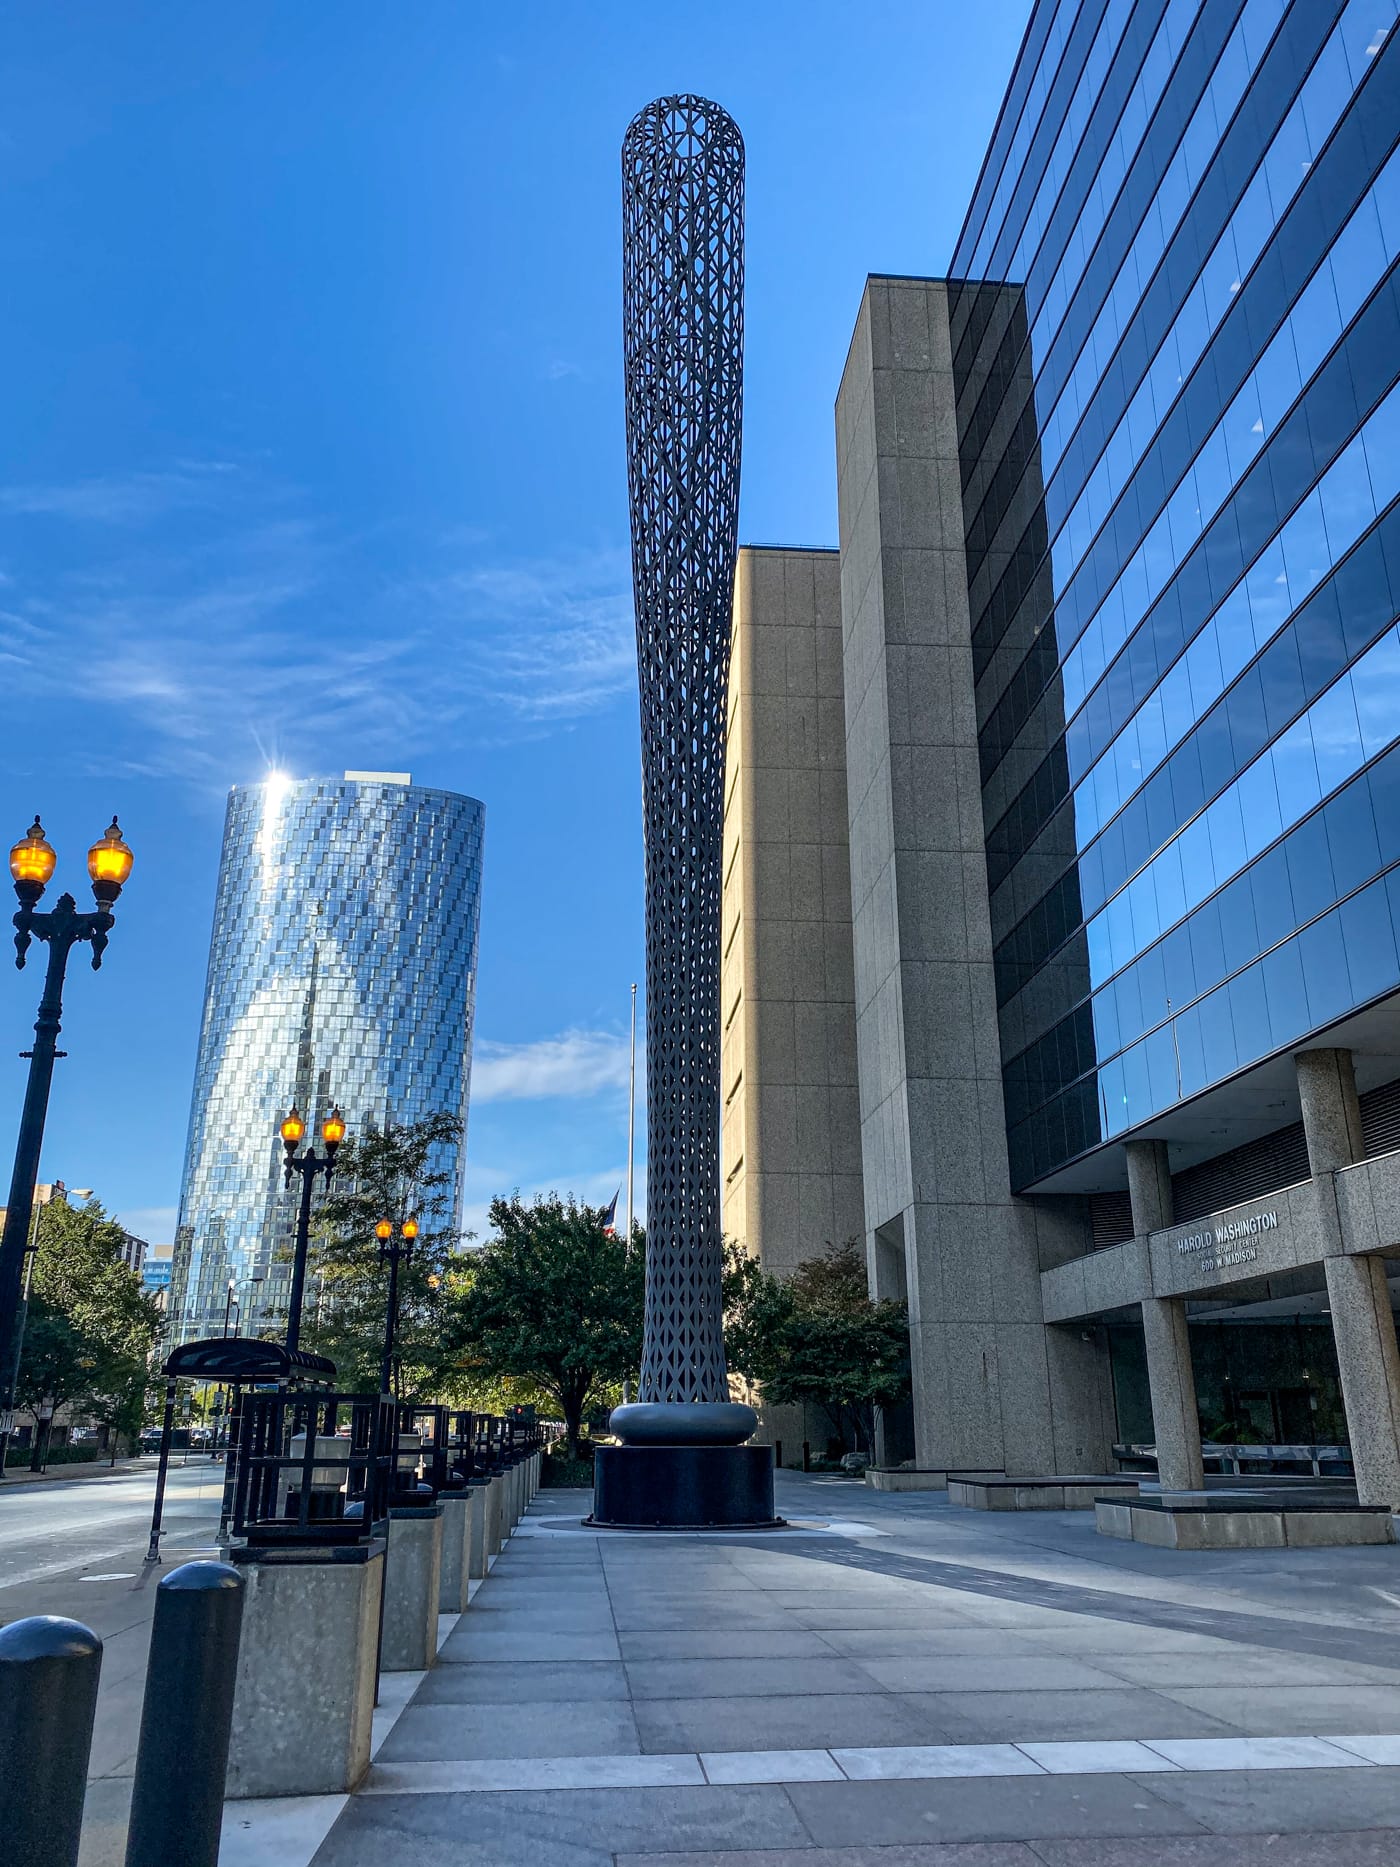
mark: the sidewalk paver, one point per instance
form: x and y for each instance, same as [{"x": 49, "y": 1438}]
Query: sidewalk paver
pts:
[{"x": 893, "y": 1683}]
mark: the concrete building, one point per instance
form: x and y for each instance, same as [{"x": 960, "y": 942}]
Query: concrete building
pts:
[
  {"x": 792, "y": 1171},
  {"x": 342, "y": 970},
  {"x": 790, "y": 1140},
  {"x": 1120, "y": 573}
]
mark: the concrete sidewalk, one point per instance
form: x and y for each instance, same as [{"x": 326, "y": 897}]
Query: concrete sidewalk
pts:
[{"x": 898, "y": 1684}]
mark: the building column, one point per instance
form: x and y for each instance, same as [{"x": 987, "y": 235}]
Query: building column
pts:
[
  {"x": 1368, "y": 1357},
  {"x": 1171, "y": 1377}
]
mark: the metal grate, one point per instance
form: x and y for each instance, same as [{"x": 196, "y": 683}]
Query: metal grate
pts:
[
  {"x": 683, "y": 350},
  {"x": 1262, "y": 1166},
  {"x": 1110, "y": 1219},
  {"x": 1380, "y": 1119}
]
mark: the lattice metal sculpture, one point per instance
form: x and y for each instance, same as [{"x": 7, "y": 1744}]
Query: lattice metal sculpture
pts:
[{"x": 683, "y": 346}]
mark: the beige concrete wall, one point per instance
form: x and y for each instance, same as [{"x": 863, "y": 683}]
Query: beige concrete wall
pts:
[
  {"x": 790, "y": 1140},
  {"x": 993, "y": 1386}
]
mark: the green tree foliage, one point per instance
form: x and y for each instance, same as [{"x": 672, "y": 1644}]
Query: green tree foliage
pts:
[
  {"x": 553, "y": 1302},
  {"x": 91, "y": 1329},
  {"x": 818, "y": 1337},
  {"x": 394, "y": 1174}
]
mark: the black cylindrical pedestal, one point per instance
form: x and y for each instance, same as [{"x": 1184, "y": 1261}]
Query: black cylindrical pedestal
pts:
[{"x": 683, "y": 1488}]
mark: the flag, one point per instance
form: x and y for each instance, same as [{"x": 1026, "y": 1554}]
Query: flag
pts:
[{"x": 610, "y": 1216}]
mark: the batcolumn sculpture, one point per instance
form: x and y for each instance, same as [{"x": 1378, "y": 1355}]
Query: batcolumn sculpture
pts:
[{"x": 682, "y": 1461}]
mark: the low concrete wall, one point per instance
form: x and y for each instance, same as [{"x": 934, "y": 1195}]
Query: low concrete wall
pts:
[
  {"x": 903, "y": 1478},
  {"x": 1073, "y": 1493},
  {"x": 413, "y": 1583},
  {"x": 1183, "y": 1528},
  {"x": 304, "y": 1697},
  {"x": 458, "y": 1508}
]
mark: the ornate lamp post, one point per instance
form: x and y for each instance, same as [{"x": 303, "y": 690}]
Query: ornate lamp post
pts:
[
  {"x": 393, "y": 1251},
  {"x": 32, "y": 863},
  {"x": 308, "y": 1165}
]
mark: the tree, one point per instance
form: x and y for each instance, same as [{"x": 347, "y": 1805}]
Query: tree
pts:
[
  {"x": 91, "y": 1329},
  {"x": 394, "y": 1174},
  {"x": 552, "y": 1300},
  {"x": 819, "y": 1337}
]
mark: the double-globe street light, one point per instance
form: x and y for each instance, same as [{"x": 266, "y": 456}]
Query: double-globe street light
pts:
[
  {"x": 32, "y": 863},
  {"x": 393, "y": 1251},
  {"x": 308, "y": 1165}
]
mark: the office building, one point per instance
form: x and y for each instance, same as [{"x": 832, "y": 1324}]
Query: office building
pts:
[
  {"x": 1120, "y": 576},
  {"x": 342, "y": 970},
  {"x": 155, "y": 1271}
]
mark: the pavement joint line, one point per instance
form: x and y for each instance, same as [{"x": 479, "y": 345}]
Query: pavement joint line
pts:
[{"x": 875, "y": 1763}]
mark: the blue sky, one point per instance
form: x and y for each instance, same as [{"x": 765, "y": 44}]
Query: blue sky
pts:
[{"x": 312, "y": 457}]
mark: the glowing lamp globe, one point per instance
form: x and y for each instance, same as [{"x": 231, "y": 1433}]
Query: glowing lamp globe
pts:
[
  {"x": 293, "y": 1128},
  {"x": 333, "y": 1129},
  {"x": 32, "y": 859},
  {"x": 384, "y": 1231},
  {"x": 410, "y": 1229},
  {"x": 109, "y": 861}
]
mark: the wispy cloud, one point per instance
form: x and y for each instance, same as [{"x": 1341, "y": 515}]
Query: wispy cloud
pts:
[
  {"x": 260, "y": 633},
  {"x": 594, "y": 1189},
  {"x": 121, "y": 499},
  {"x": 576, "y": 1064},
  {"x": 549, "y": 640}
]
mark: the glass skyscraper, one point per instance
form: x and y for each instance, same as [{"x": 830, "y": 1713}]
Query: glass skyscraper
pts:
[
  {"x": 1175, "y": 325},
  {"x": 342, "y": 969},
  {"x": 1119, "y": 671}
]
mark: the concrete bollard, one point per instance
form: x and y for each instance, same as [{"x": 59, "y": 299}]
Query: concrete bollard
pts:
[
  {"x": 304, "y": 1698},
  {"x": 458, "y": 1509},
  {"x": 413, "y": 1582},
  {"x": 494, "y": 1513},
  {"x": 49, "y": 1669},
  {"x": 476, "y": 1556},
  {"x": 177, "y": 1799}
]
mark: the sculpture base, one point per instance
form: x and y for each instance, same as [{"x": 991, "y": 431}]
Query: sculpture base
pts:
[{"x": 683, "y": 1488}]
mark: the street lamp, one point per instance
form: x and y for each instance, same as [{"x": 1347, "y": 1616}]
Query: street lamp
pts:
[
  {"x": 308, "y": 1165},
  {"x": 394, "y": 1251},
  {"x": 32, "y": 863}
]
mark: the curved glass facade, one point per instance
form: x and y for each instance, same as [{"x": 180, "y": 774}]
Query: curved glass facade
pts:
[
  {"x": 1180, "y": 445},
  {"x": 342, "y": 969}
]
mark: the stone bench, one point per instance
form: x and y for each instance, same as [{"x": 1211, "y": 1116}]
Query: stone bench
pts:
[
  {"x": 918, "y": 1478},
  {"x": 1055, "y": 1492},
  {"x": 1202, "y": 1521}
]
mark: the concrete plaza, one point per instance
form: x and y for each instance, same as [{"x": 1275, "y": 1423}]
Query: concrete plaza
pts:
[{"x": 901, "y": 1684}]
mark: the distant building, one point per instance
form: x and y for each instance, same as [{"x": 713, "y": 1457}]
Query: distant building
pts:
[
  {"x": 342, "y": 970},
  {"x": 155, "y": 1270},
  {"x": 45, "y": 1191}
]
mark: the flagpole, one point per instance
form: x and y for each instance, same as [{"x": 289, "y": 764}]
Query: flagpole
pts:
[
  {"x": 631, "y": 1117},
  {"x": 631, "y": 1146}
]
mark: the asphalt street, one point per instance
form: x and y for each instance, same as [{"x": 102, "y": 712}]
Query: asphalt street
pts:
[
  {"x": 76, "y": 1547},
  {"x": 55, "y": 1529}
]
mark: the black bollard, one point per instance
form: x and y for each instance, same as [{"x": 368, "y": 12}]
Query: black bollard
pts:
[
  {"x": 806, "y": 1455},
  {"x": 177, "y": 1801},
  {"x": 48, "y": 1694}
]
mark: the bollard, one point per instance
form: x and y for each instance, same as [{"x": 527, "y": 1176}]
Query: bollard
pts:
[
  {"x": 778, "y": 1454},
  {"x": 177, "y": 1800},
  {"x": 806, "y": 1456},
  {"x": 48, "y": 1695}
]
